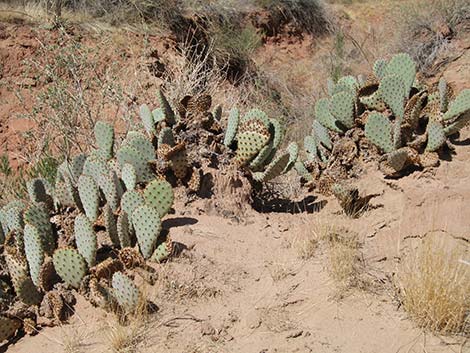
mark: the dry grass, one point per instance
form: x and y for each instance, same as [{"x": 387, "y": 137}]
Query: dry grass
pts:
[
  {"x": 422, "y": 27},
  {"x": 434, "y": 287},
  {"x": 306, "y": 243}
]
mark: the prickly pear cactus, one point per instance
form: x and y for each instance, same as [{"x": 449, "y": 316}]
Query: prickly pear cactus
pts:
[
  {"x": 170, "y": 117},
  {"x": 379, "y": 68},
  {"x": 140, "y": 143},
  {"x": 85, "y": 238},
  {"x": 38, "y": 190},
  {"x": 436, "y": 136},
  {"x": 125, "y": 292},
  {"x": 403, "y": 66},
  {"x": 274, "y": 169},
  {"x": 130, "y": 201},
  {"x": 232, "y": 127},
  {"x": 163, "y": 251},
  {"x": 37, "y": 216},
  {"x": 104, "y": 136},
  {"x": 378, "y": 130},
  {"x": 147, "y": 119},
  {"x": 159, "y": 194},
  {"x": 110, "y": 224},
  {"x": 128, "y": 176},
  {"x": 110, "y": 185},
  {"x": 147, "y": 225},
  {"x": 252, "y": 137},
  {"x": 459, "y": 106},
  {"x": 123, "y": 230},
  {"x": 165, "y": 137},
  {"x": 342, "y": 108},
  {"x": 324, "y": 116},
  {"x": 34, "y": 251},
  {"x": 70, "y": 266},
  {"x": 89, "y": 196}
]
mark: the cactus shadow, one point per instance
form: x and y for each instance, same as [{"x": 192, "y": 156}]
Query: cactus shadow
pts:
[
  {"x": 178, "y": 222},
  {"x": 309, "y": 204},
  {"x": 455, "y": 139}
]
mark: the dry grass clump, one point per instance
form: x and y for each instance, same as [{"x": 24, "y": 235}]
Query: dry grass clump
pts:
[
  {"x": 426, "y": 27},
  {"x": 435, "y": 288},
  {"x": 344, "y": 257}
]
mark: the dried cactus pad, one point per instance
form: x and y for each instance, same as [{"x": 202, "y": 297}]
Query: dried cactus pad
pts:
[
  {"x": 34, "y": 251},
  {"x": 85, "y": 238},
  {"x": 159, "y": 194},
  {"x": 70, "y": 266},
  {"x": 147, "y": 119},
  {"x": 89, "y": 196},
  {"x": 125, "y": 291},
  {"x": 256, "y": 114},
  {"x": 147, "y": 225},
  {"x": 232, "y": 127},
  {"x": 165, "y": 137},
  {"x": 378, "y": 130},
  {"x": 8, "y": 328},
  {"x": 104, "y": 136}
]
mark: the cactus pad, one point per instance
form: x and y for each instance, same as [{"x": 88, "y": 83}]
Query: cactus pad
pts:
[
  {"x": 459, "y": 106},
  {"x": 274, "y": 169},
  {"x": 293, "y": 150},
  {"x": 37, "y": 216},
  {"x": 38, "y": 190},
  {"x": 158, "y": 115},
  {"x": 346, "y": 84},
  {"x": 163, "y": 251},
  {"x": 253, "y": 136},
  {"x": 85, "y": 238},
  {"x": 104, "y": 136},
  {"x": 131, "y": 200},
  {"x": 165, "y": 137},
  {"x": 256, "y": 114},
  {"x": 128, "y": 154},
  {"x": 310, "y": 146},
  {"x": 436, "y": 136},
  {"x": 34, "y": 251},
  {"x": 123, "y": 230},
  {"x": 89, "y": 196},
  {"x": 70, "y": 266},
  {"x": 403, "y": 66},
  {"x": 110, "y": 224},
  {"x": 170, "y": 117},
  {"x": 159, "y": 194},
  {"x": 324, "y": 116},
  {"x": 302, "y": 170},
  {"x": 147, "y": 225},
  {"x": 232, "y": 127},
  {"x": 139, "y": 142},
  {"x": 342, "y": 108},
  {"x": 126, "y": 292},
  {"x": 147, "y": 119},
  {"x": 320, "y": 133},
  {"x": 392, "y": 90},
  {"x": 379, "y": 68},
  {"x": 112, "y": 189},
  {"x": 378, "y": 130},
  {"x": 13, "y": 217},
  {"x": 129, "y": 176}
]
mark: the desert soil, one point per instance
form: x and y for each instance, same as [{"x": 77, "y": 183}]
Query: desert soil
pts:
[{"x": 244, "y": 286}]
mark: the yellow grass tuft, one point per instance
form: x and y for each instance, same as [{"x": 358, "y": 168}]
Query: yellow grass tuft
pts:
[{"x": 434, "y": 285}]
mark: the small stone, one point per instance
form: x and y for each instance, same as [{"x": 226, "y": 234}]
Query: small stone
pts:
[
  {"x": 207, "y": 329},
  {"x": 295, "y": 334}
]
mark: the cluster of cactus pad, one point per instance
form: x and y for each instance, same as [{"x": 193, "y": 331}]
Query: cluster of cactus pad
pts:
[
  {"x": 117, "y": 194},
  {"x": 408, "y": 123},
  {"x": 256, "y": 140}
]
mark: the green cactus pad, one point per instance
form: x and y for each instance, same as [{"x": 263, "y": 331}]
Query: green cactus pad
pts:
[
  {"x": 443, "y": 95},
  {"x": 457, "y": 125},
  {"x": 159, "y": 194},
  {"x": 73, "y": 193},
  {"x": 128, "y": 154},
  {"x": 346, "y": 84},
  {"x": 342, "y": 108},
  {"x": 89, "y": 196},
  {"x": 379, "y": 68},
  {"x": 95, "y": 166},
  {"x": 17, "y": 268},
  {"x": 163, "y": 251},
  {"x": 74, "y": 169},
  {"x": 310, "y": 146},
  {"x": 165, "y": 137},
  {"x": 131, "y": 200},
  {"x": 13, "y": 217},
  {"x": 436, "y": 136},
  {"x": 459, "y": 106},
  {"x": 170, "y": 117},
  {"x": 147, "y": 119},
  {"x": 274, "y": 169},
  {"x": 324, "y": 116},
  {"x": 147, "y": 225},
  {"x": 398, "y": 159},
  {"x": 392, "y": 90},
  {"x": 293, "y": 150},
  {"x": 403, "y": 66},
  {"x": 70, "y": 266},
  {"x": 37, "y": 216},
  {"x": 128, "y": 176},
  {"x": 302, "y": 171},
  {"x": 112, "y": 190},
  {"x": 62, "y": 198},
  {"x": 320, "y": 134},
  {"x": 232, "y": 127},
  {"x": 217, "y": 113},
  {"x": 141, "y": 144},
  {"x": 378, "y": 130},
  {"x": 374, "y": 101},
  {"x": 259, "y": 161},
  {"x": 85, "y": 239},
  {"x": 8, "y": 328},
  {"x": 123, "y": 230},
  {"x": 158, "y": 115},
  {"x": 125, "y": 292},
  {"x": 34, "y": 251},
  {"x": 277, "y": 129},
  {"x": 104, "y": 136}
]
